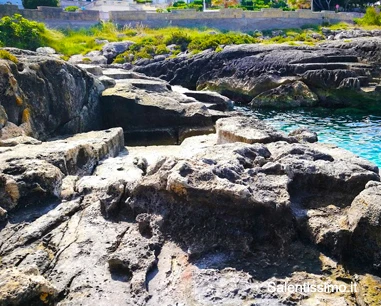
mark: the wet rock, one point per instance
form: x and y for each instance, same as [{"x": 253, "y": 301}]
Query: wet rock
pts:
[{"x": 292, "y": 95}]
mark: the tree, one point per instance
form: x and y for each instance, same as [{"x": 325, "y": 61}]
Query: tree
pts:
[
  {"x": 16, "y": 31},
  {"x": 299, "y": 4},
  {"x": 225, "y": 3},
  {"x": 32, "y": 4}
]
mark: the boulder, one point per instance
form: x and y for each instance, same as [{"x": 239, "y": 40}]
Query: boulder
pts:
[
  {"x": 304, "y": 135},
  {"x": 93, "y": 57},
  {"x": 364, "y": 224},
  {"x": 11, "y": 130},
  {"x": 47, "y": 97},
  {"x": 111, "y": 50},
  {"x": 93, "y": 69},
  {"x": 212, "y": 99},
  {"x": 248, "y": 130},
  {"x": 46, "y": 51},
  {"x": 296, "y": 94}
]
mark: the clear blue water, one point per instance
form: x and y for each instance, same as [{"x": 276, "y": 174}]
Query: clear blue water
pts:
[{"x": 354, "y": 130}]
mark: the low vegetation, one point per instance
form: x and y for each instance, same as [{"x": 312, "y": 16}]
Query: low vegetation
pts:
[
  {"x": 71, "y": 8},
  {"x": 4, "y": 54},
  {"x": 372, "y": 17},
  {"x": 16, "y": 31}
]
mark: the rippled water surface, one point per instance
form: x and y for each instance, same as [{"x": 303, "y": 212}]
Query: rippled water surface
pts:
[{"x": 356, "y": 131}]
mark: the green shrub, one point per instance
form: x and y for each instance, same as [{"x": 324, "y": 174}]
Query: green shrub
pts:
[
  {"x": 32, "y": 4},
  {"x": 161, "y": 49},
  {"x": 4, "y": 54},
  {"x": 179, "y": 38},
  {"x": 371, "y": 18},
  {"x": 16, "y": 31},
  {"x": 179, "y": 3},
  {"x": 71, "y": 8},
  {"x": 213, "y": 41}
]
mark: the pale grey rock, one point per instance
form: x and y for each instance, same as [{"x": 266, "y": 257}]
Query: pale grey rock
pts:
[
  {"x": 248, "y": 130},
  {"x": 111, "y": 50},
  {"x": 304, "y": 135},
  {"x": 11, "y": 142},
  {"x": 93, "y": 69},
  {"x": 46, "y": 51}
]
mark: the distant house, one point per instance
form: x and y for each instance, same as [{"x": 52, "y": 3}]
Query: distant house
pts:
[{"x": 14, "y": 2}]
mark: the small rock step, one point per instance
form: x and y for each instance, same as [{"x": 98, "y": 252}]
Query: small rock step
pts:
[
  {"x": 369, "y": 89},
  {"x": 300, "y": 68},
  {"x": 328, "y": 59}
]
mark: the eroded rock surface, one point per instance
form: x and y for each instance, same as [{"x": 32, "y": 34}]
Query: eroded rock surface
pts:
[
  {"x": 282, "y": 76},
  {"x": 46, "y": 96},
  {"x": 203, "y": 223}
]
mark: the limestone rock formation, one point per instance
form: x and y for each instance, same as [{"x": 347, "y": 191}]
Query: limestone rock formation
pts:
[
  {"x": 325, "y": 75},
  {"x": 248, "y": 130},
  {"x": 195, "y": 224},
  {"x": 150, "y": 112},
  {"x": 290, "y": 95},
  {"x": 111, "y": 50},
  {"x": 47, "y": 97}
]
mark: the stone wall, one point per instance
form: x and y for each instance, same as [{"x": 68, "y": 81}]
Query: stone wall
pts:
[
  {"x": 231, "y": 19},
  {"x": 51, "y": 14},
  {"x": 224, "y": 19}
]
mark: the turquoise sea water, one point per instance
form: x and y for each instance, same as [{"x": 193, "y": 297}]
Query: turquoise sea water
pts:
[{"x": 354, "y": 130}]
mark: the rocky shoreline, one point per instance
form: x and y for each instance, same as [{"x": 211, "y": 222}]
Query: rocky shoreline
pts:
[{"x": 216, "y": 210}]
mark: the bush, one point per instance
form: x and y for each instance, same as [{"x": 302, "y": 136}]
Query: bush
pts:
[
  {"x": 32, "y": 4},
  {"x": 4, "y": 54},
  {"x": 180, "y": 39},
  {"x": 161, "y": 49},
  {"x": 213, "y": 41},
  {"x": 179, "y": 4},
  {"x": 71, "y": 8},
  {"x": 22, "y": 33},
  {"x": 371, "y": 17}
]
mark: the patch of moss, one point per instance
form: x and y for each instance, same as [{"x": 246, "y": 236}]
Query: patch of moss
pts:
[{"x": 4, "y": 54}]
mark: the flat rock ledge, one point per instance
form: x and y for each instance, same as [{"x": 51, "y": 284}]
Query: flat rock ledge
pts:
[{"x": 217, "y": 220}]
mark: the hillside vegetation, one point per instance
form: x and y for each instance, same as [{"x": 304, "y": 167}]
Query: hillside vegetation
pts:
[{"x": 16, "y": 31}]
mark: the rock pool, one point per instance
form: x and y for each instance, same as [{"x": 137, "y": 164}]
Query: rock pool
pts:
[{"x": 354, "y": 130}]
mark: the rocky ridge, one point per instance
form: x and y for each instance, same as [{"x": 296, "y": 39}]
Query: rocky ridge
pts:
[{"x": 282, "y": 76}]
